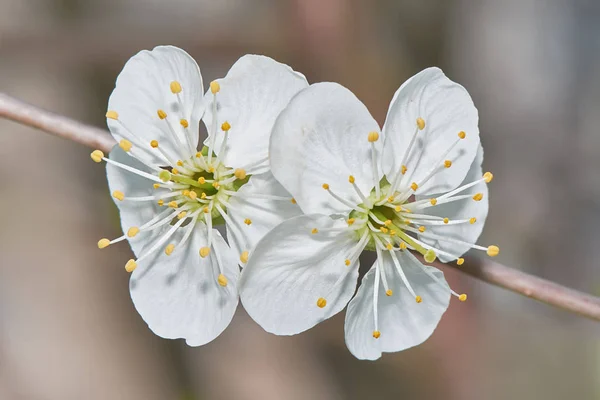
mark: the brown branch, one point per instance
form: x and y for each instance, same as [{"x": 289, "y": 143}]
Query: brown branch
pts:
[
  {"x": 55, "y": 124},
  {"x": 483, "y": 269}
]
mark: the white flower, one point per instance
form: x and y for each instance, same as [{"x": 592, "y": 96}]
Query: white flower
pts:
[
  {"x": 423, "y": 190},
  {"x": 171, "y": 197}
]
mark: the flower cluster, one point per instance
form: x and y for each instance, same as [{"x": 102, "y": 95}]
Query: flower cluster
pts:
[{"x": 304, "y": 181}]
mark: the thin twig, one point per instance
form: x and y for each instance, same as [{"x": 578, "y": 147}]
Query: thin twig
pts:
[
  {"x": 483, "y": 269},
  {"x": 55, "y": 124}
]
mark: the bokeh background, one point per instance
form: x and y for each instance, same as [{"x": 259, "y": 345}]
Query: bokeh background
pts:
[{"x": 68, "y": 329}]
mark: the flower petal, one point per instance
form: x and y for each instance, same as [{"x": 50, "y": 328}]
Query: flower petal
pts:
[
  {"x": 179, "y": 296},
  {"x": 291, "y": 269},
  {"x": 322, "y": 137},
  {"x": 253, "y": 215},
  {"x": 143, "y": 88},
  {"x": 402, "y": 322},
  {"x": 462, "y": 209},
  {"x": 131, "y": 185},
  {"x": 252, "y": 95},
  {"x": 446, "y": 109}
]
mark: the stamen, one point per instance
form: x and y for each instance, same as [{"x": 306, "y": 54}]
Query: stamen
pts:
[
  {"x": 125, "y": 145},
  {"x": 321, "y": 302},
  {"x": 403, "y": 276},
  {"x": 112, "y": 115},
  {"x": 175, "y": 87},
  {"x": 340, "y": 199},
  {"x": 363, "y": 198},
  {"x": 373, "y": 137},
  {"x": 117, "y": 194},
  {"x": 244, "y": 257},
  {"x": 97, "y": 153}
]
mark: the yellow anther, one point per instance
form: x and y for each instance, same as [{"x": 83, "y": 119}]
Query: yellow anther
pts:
[
  {"x": 154, "y": 144},
  {"x": 403, "y": 169},
  {"x": 169, "y": 249},
  {"x": 244, "y": 256},
  {"x": 418, "y": 299},
  {"x": 216, "y": 184},
  {"x": 350, "y": 221},
  {"x": 488, "y": 176},
  {"x": 398, "y": 208},
  {"x": 462, "y": 297},
  {"x": 180, "y": 163},
  {"x": 347, "y": 262},
  {"x": 164, "y": 176},
  {"x": 97, "y": 155},
  {"x": 373, "y": 137},
  {"x": 421, "y": 123},
  {"x": 414, "y": 186},
  {"x": 421, "y": 229},
  {"x": 175, "y": 171},
  {"x": 293, "y": 200},
  {"x": 478, "y": 197},
  {"x": 402, "y": 246},
  {"x": 383, "y": 229},
  {"x": 388, "y": 222},
  {"x": 430, "y": 256},
  {"x": 202, "y": 180},
  {"x": 211, "y": 170},
  {"x": 161, "y": 202},
  {"x": 117, "y": 194},
  {"x": 181, "y": 215},
  {"x": 172, "y": 204},
  {"x": 204, "y": 252},
  {"x": 112, "y": 114},
  {"x": 199, "y": 154},
  {"x": 205, "y": 210},
  {"x": 134, "y": 230},
  {"x": 392, "y": 232},
  {"x": 314, "y": 231},
  {"x": 240, "y": 173},
  {"x": 131, "y": 265},
  {"x": 389, "y": 292},
  {"x": 326, "y": 186},
  {"x": 447, "y": 163},
  {"x": 389, "y": 246},
  {"x": 462, "y": 134},
  {"x": 472, "y": 220},
  {"x": 391, "y": 199},
  {"x": 203, "y": 196},
  {"x": 156, "y": 185},
  {"x": 125, "y": 144},
  {"x": 321, "y": 302},
  {"x": 446, "y": 220},
  {"x": 493, "y": 251},
  {"x": 225, "y": 126},
  {"x": 433, "y": 201},
  {"x": 102, "y": 243},
  {"x": 193, "y": 195},
  {"x": 247, "y": 221},
  {"x": 222, "y": 280},
  {"x": 351, "y": 179},
  {"x": 184, "y": 122},
  {"x": 460, "y": 261},
  {"x": 175, "y": 87},
  {"x": 161, "y": 114},
  {"x": 215, "y": 87},
  {"x": 376, "y": 334},
  {"x": 186, "y": 193}
]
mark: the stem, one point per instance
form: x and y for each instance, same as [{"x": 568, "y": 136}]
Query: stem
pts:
[{"x": 486, "y": 270}]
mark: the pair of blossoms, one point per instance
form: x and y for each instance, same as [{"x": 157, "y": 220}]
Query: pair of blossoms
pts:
[{"x": 304, "y": 181}]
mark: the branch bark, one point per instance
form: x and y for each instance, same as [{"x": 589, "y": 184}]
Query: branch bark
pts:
[{"x": 483, "y": 269}]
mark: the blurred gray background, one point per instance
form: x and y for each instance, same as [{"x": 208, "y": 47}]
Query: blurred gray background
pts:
[{"x": 68, "y": 329}]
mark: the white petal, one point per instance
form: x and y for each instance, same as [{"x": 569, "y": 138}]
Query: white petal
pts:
[
  {"x": 144, "y": 87},
  {"x": 447, "y": 110},
  {"x": 264, "y": 213},
  {"x": 403, "y": 322},
  {"x": 291, "y": 268},
  {"x": 462, "y": 209},
  {"x": 132, "y": 213},
  {"x": 322, "y": 137},
  {"x": 252, "y": 95},
  {"x": 178, "y": 295}
]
